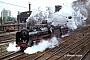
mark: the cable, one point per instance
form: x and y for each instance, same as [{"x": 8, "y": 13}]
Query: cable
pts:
[
  {"x": 12, "y": 8},
  {"x": 12, "y": 4}
]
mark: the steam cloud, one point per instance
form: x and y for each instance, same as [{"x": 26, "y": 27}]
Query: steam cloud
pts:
[
  {"x": 12, "y": 47},
  {"x": 71, "y": 8},
  {"x": 43, "y": 45}
]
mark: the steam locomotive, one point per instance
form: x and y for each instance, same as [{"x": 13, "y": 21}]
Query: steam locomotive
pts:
[{"x": 34, "y": 34}]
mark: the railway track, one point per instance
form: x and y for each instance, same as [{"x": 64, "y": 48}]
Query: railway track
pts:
[
  {"x": 4, "y": 45},
  {"x": 11, "y": 55},
  {"x": 84, "y": 56},
  {"x": 5, "y": 39},
  {"x": 71, "y": 45},
  {"x": 27, "y": 55},
  {"x": 74, "y": 53},
  {"x": 7, "y": 36},
  {"x": 79, "y": 37},
  {"x": 56, "y": 55}
]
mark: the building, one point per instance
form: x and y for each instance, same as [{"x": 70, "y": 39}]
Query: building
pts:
[
  {"x": 5, "y": 14},
  {"x": 23, "y": 16}
]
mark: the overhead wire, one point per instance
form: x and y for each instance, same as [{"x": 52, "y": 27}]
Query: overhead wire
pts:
[
  {"x": 12, "y": 4},
  {"x": 11, "y": 8}
]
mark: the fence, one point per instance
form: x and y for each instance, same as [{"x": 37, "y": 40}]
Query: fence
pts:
[{"x": 16, "y": 26}]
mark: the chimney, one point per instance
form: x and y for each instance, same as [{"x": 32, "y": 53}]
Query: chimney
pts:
[{"x": 29, "y": 6}]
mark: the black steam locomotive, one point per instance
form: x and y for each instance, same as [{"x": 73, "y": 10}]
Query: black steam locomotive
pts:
[{"x": 34, "y": 34}]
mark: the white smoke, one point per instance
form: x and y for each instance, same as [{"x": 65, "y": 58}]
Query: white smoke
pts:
[
  {"x": 88, "y": 2},
  {"x": 12, "y": 47},
  {"x": 43, "y": 45},
  {"x": 75, "y": 9}
]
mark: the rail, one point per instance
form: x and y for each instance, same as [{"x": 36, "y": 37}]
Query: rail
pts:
[{"x": 85, "y": 55}]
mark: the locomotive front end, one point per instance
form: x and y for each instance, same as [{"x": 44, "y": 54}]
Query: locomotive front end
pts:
[{"x": 22, "y": 38}]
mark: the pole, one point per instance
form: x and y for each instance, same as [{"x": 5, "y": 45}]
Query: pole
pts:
[
  {"x": 29, "y": 8},
  {"x": 18, "y": 20},
  {"x": 1, "y": 20}
]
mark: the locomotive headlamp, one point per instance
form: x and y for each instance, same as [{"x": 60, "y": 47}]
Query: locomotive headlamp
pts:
[{"x": 24, "y": 32}]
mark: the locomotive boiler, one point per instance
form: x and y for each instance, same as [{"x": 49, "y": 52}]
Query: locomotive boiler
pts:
[{"x": 34, "y": 34}]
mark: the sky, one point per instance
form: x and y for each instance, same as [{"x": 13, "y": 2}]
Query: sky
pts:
[{"x": 22, "y": 5}]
